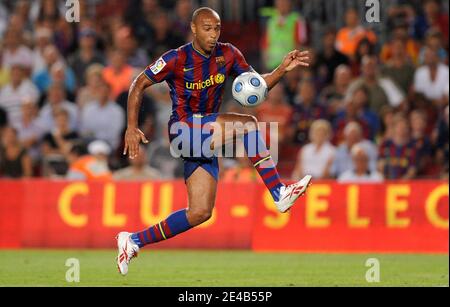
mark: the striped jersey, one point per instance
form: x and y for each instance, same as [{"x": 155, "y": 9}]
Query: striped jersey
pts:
[
  {"x": 196, "y": 81},
  {"x": 398, "y": 159}
]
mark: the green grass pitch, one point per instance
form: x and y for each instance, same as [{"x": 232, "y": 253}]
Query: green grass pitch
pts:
[{"x": 219, "y": 268}]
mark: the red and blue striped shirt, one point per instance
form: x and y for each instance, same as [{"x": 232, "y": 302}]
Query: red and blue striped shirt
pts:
[
  {"x": 398, "y": 159},
  {"x": 196, "y": 81}
]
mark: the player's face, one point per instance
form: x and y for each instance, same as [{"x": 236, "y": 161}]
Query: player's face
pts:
[{"x": 207, "y": 32}]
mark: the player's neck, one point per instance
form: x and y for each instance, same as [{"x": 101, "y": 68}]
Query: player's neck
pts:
[{"x": 197, "y": 48}]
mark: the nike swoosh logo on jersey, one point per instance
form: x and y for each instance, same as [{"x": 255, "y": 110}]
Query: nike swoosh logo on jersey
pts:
[{"x": 187, "y": 69}]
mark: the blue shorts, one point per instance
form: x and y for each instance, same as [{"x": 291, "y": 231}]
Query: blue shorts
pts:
[{"x": 191, "y": 140}]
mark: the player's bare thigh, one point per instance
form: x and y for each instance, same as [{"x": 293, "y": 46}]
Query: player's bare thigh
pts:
[
  {"x": 226, "y": 134},
  {"x": 201, "y": 187}
]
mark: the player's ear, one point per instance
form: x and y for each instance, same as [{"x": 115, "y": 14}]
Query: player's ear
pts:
[{"x": 193, "y": 28}]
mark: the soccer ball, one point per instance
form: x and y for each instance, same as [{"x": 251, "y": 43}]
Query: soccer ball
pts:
[{"x": 249, "y": 89}]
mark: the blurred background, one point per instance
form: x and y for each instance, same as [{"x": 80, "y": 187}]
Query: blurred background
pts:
[
  {"x": 369, "y": 119},
  {"x": 383, "y": 86}
]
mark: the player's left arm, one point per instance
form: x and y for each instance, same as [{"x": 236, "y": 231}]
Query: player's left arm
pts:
[{"x": 292, "y": 60}]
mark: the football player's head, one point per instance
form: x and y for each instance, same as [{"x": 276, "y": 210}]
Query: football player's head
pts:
[{"x": 205, "y": 26}]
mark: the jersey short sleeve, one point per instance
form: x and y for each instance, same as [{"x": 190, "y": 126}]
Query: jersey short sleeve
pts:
[
  {"x": 163, "y": 68},
  {"x": 240, "y": 65}
]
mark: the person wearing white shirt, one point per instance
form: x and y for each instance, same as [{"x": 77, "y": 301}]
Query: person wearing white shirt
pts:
[
  {"x": 432, "y": 79},
  {"x": 16, "y": 91},
  {"x": 316, "y": 157},
  {"x": 382, "y": 90},
  {"x": 15, "y": 52},
  {"x": 361, "y": 172},
  {"x": 28, "y": 129},
  {"x": 57, "y": 99},
  {"x": 353, "y": 135},
  {"x": 103, "y": 119}
]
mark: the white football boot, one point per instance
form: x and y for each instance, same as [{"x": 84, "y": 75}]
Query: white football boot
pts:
[
  {"x": 127, "y": 251},
  {"x": 290, "y": 193}
]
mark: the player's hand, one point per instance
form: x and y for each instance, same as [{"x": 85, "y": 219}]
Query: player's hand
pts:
[
  {"x": 133, "y": 137},
  {"x": 294, "y": 59}
]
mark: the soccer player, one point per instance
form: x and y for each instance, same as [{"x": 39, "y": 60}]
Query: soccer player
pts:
[{"x": 196, "y": 73}]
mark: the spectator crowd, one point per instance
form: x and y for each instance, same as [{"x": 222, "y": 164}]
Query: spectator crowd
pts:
[{"x": 372, "y": 106}]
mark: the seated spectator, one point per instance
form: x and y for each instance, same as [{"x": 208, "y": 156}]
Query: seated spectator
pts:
[
  {"x": 29, "y": 130},
  {"x": 14, "y": 159},
  {"x": 357, "y": 110},
  {"x": 138, "y": 169},
  {"x": 54, "y": 61},
  {"x": 364, "y": 49},
  {"x": 398, "y": 156},
  {"x": 434, "y": 41},
  {"x": 48, "y": 12},
  {"x": 399, "y": 68},
  {"x": 86, "y": 55},
  {"x": 103, "y": 119},
  {"x": 88, "y": 93},
  {"x": 276, "y": 110},
  {"x": 387, "y": 115},
  {"x": 56, "y": 99},
  {"x": 432, "y": 78},
  {"x": 442, "y": 143},
  {"x": 20, "y": 19},
  {"x": 15, "y": 92},
  {"x": 400, "y": 36},
  {"x": 316, "y": 158},
  {"x": 333, "y": 95},
  {"x": 59, "y": 141},
  {"x": 420, "y": 102},
  {"x": 382, "y": 91},
  {"x": 353, "y": 136},
  {"x": 306, "y": 110},
  {"x": 348, "y": 37},
  {"x": 118, "y": 74},
  {"x": 418, "y": 123},
  {"x": 93, "y": 166},
  {"x": 126, "y": 42},
  {"x": 360, "y": 171},
  {"x": 432, "y": 16},
  {"x": 328, "y": 59},
  {"x": 59, "y": 74},
  {"x": 15, "y": 51}
]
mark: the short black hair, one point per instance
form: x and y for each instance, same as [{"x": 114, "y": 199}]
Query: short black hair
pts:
[{"x": 200, "y": 10}]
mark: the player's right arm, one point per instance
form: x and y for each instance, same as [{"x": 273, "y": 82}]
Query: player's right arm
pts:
[
  {"x": 133, "y": 135},
  {"x": 159, "y": 71}
]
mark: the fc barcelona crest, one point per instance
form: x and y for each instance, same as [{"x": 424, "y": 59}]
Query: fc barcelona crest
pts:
[{"x": 220, "y": 60}]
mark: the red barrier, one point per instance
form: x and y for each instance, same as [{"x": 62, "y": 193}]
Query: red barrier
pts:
[
  {"x": 395, "y": 217},
  {"x": 80, "y": 214}
]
